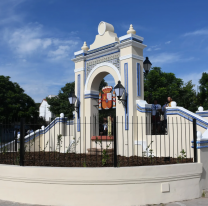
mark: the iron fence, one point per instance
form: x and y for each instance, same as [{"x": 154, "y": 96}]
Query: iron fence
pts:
[{"x": 98, "y": 144}]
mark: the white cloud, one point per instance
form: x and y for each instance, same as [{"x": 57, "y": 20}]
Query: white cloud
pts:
[
  {"x": 47, "y": 43},
  {"x": 154, "y": 48},
  {"x": 38, "y": 62},
  {"x": 36, "y": 79},
  {"x": 7, "y": 12},
  {"x": 25, "y": 40},
  {"x": 197, "y": 32},
  {"x": 195, "y": 77},
  {"x": 32, "y": 40},
  {"x": 60, "y": 52},
  {"x": 62, "y": 49},
  {"x": 166, "y": 58},
  {"x": 167, "y": 42},
  {"x": 38, "y": 59}
]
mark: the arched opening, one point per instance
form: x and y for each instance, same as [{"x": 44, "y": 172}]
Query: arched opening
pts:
[
  {"x": 102, "y": 75},
  {"x": 105, "y": 113},
  {"x": 99, "y": 72}
]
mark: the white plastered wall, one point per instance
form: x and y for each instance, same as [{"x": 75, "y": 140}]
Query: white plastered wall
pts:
[
  {"x": 122, "y": 186},
  {"x": 126, "y": 137},
  {"x": 44, "y": 111},
  {"x": 79, "y": 70},
  {"x": 91, "y": 87},
  {"x": 47, "y": 140}
]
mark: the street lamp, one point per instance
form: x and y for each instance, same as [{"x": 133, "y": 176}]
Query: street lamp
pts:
[
  {"x": 147, "y": 65},
  {"x": 119, "y": 90},
  {"x": 72, "y": 99}
]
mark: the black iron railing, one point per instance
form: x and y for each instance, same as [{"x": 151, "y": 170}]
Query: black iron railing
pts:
[{"x": 108, "y": 144}]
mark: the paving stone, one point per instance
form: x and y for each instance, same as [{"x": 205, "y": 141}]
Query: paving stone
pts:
[
  {"x": 8, "y": 203},
  {"x": 195, "y": 202}
]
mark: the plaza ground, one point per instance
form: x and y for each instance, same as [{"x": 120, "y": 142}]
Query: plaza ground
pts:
[{"x": 203, "y": 201}]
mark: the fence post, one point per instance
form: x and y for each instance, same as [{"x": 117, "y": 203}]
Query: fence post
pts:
[
  {"x": 15, "y": 141},
  {"x": 22, "y": 141},
  {"x": 115, "y": 142},
  {"x": 195, "y": 139},
  {"x": 2, "y": 134}
]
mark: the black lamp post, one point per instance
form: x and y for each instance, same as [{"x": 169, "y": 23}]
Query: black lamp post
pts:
[
  {"x": 119, "y": 90},
  {"x": 147, "y": 65},
  {"x": 72, "y": 99}
]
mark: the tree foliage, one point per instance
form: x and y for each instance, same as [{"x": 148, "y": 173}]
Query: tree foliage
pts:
[
  {"x": 60, "y": 103},
  {"x": 188, "y": 98},
  {"x": 157, "y": 85},
  {"x": 160, "y": 85},
  {"x": 203, "y": 88},
  {"x": 14, "y": 103},
  {"x": 103, "y": 83}
]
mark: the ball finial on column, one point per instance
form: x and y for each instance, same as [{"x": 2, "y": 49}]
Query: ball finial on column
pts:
[
  {"x": 85, "y": 47},
  {"x": 131, "y": 30},
  {"x": 200, "y": 109}
]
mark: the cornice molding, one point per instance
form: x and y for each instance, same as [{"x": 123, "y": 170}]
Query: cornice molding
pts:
[
  {"x": 116, "y": 48},
  {"x": 131, "y": 43},
  {"x": 131, "y": 36},
  {"x": 78, "y": 59},
  {"x": 103, "y": 52},
  {"x": 79, "y": 70},
  {"x": 131, "y": 56},
  {"x": 103, "y": 179}
]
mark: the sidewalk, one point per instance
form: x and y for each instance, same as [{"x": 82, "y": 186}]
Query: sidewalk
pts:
[
  {"x": 203, "y": 201},
  {"x": 195, "y": 202}
]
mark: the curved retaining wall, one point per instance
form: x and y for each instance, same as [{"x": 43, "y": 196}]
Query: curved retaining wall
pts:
[{"x": 100, "y": 186}]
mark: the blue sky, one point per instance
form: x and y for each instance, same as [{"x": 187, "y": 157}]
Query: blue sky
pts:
[{"x": 39, "y": 37}]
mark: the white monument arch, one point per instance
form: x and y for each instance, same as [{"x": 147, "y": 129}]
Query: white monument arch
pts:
[
  {"x": 134, "y": 184},
  {"x": 122, "y": 58}
]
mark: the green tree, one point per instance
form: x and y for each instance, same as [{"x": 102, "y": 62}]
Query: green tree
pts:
[
  {"x": 103, "y": 83},
  {"x": 160, "y": 85},
  {"x": 60, "y": 103},
  {"x": 14, "y": 103},
  {"x": 203, "y": 88},
  {"x": 188, "y": 98}
]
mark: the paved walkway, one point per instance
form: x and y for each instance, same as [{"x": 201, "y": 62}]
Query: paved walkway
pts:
[
  {"x": 7, "y": 203},
  {"x": 196, "y": 202}
]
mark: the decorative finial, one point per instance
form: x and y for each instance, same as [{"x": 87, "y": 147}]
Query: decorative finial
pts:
[
  {"x": 131, "y": 30},
  {"x": 85, "y": 47},
  {"x": 200, "y": 109}
]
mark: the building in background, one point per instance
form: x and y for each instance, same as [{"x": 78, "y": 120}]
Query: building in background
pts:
[{"x": 44, "y": 109}]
